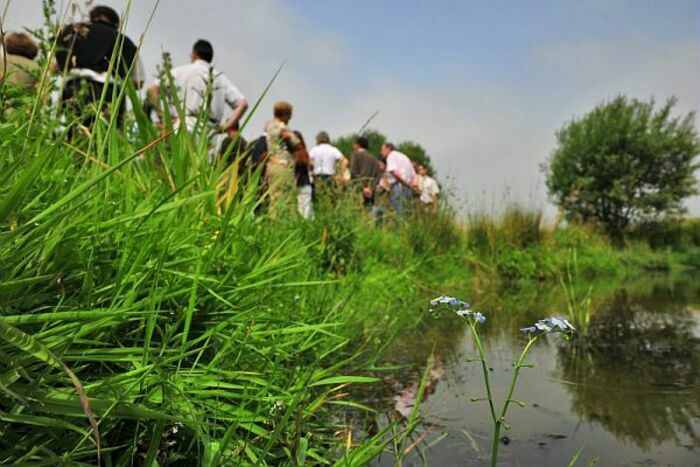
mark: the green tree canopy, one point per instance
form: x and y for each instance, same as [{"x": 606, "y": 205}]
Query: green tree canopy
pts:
[
  {"x": 622, "y": 163},
  {"x": 345, "y": 143}
]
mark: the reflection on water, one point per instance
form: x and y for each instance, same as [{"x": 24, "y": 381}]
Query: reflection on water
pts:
[
  {"x": 631, "y": 391},
  {"x": 639, "y": 372}
]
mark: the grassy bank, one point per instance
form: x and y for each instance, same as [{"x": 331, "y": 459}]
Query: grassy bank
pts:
[
  {"x": 519, "y": 245},
  {"x": 146, "y": 319}
]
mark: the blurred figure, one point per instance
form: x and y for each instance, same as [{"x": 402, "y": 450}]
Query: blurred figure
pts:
[
  {"x": 364, "y": 170},
  {"x": 325, "y": 159},
  {"x": 233, "y": 148},
  {"x": 281, "y": 143},
  {"x": 401, "y": 175},
  {"x": 302, "y": 168},
  {"x": 84, "y": 53},
  {"x": 382, "y": 195},
  {"x": 17, "y": 65},
  {"x": 428, "y": 188},
  {"x": 202, "y": 91}
]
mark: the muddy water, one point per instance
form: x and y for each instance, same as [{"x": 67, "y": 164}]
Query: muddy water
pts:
[{"x": 630, "y": 396}]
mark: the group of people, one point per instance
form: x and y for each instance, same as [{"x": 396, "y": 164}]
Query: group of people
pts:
[{"x": 95, "y": 60}]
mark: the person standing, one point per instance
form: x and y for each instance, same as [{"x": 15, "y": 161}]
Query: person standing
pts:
[
  {"x": 203, "y": 92},
  {"x": 281, "y": 143},
  {"x": 233, "y": 148},
  {"x": 86, "y": 52},
  {"x": 364, "y": 170},
  {"x": 428, "y": 188},
  {"x": 382, "y": 194},
  {"x": 401, "y": 177},
  {"x": 17, "y": 65},
  {"x": 302, "y": 168},
  {"x": 325, "y": 159}
]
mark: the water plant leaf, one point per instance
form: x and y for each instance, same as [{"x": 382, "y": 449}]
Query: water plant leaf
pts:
[{"x": 335, "y": 380}]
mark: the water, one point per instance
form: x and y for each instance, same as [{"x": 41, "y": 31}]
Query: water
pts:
[{"x": 632, "y": 397}]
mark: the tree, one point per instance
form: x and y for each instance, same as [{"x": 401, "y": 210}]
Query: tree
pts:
[{"x": 624, "y": 163}]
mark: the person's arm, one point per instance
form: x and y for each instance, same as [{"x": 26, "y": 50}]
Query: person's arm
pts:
[
  {"x": 436, "y": 200},
  {"x": 153, "y": 94},
  {"x": 312, "y": 159},
  {"x": 139, "y": 74},
  {"x": 237, "y": 101},
  {"x": 237, "y": 111},
  {"x": 436, "y": 194},
  {"x": 397, "y": 176}
]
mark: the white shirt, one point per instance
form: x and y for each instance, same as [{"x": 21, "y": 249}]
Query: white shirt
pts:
[
  {"x": 324, "y": 157},
  {"x": 428, "y": 188},
  {"x": 399, "y": 162},
  {"x": 192, "y": 80},
  {"x": 137, "y": 74}
]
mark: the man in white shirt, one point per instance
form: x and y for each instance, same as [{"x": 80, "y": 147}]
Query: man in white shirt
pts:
[
  {"x": 399, "y": 171},
  {"x": 325, "y": 157},
  {"x": 429, "y": 189},
  {"x": 203, "y": 91}
]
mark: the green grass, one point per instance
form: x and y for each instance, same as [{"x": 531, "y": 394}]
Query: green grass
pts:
[{"x": 144, "y": 322}]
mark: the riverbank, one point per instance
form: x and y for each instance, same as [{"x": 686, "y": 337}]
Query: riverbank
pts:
[{"x": 201, "y": 331}]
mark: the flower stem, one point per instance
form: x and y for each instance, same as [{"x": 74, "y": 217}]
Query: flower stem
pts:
[
  {"x": 484, "y": 369},
  {"x": 509, "y": 399}
]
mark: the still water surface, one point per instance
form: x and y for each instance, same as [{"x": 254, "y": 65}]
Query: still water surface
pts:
[{"x": 630, "y": 397}]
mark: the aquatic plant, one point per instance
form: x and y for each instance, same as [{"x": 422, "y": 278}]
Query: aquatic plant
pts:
[
  {"x": 473, "y": 319},
  {"x": 578, "y": 306}
]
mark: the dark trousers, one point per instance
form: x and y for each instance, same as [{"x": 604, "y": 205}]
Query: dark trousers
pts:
[{"x": 81, "y": 98}]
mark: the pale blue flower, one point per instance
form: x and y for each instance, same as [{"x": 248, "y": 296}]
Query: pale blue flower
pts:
[
  {"x": 459, "y": 303},
  {"x": 463, "y": 313},
  {"x": 442, "y": 300},
  {"x": 546, "y": 325},
  {"x": 451, "y": 301},
  {"x": 479, "y": 318}
]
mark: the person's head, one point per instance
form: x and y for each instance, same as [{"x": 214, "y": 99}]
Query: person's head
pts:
[
  {"x": 104, "y": 14},
  {"x": 361, "y": 142},
  {"x": 323, "y": 138},
  {"x": 386, "y": 149},
  {"x": 20, "y": 43},
  {"x": 282, "y": 111},
  {"x": 422, "y": 170},
  {"x": 202, "y": 50}
]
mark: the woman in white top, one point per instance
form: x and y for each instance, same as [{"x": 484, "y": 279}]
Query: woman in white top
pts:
[{"x": 429, "y": 189}]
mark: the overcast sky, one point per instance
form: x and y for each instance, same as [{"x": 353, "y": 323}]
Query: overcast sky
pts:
[{"x": 482, "y": 85}]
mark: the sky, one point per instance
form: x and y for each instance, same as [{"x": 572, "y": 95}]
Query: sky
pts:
[{"x": 482, "y": 85}]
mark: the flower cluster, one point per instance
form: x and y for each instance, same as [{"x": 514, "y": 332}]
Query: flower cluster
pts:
[
  {"x": 451, "y": 301},
  {"x": 459, "y": 307},
  {"x": 546, "y": 325}
]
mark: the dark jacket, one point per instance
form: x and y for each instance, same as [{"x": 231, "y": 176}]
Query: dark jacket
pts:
[{"x": 91, "y": 46}]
